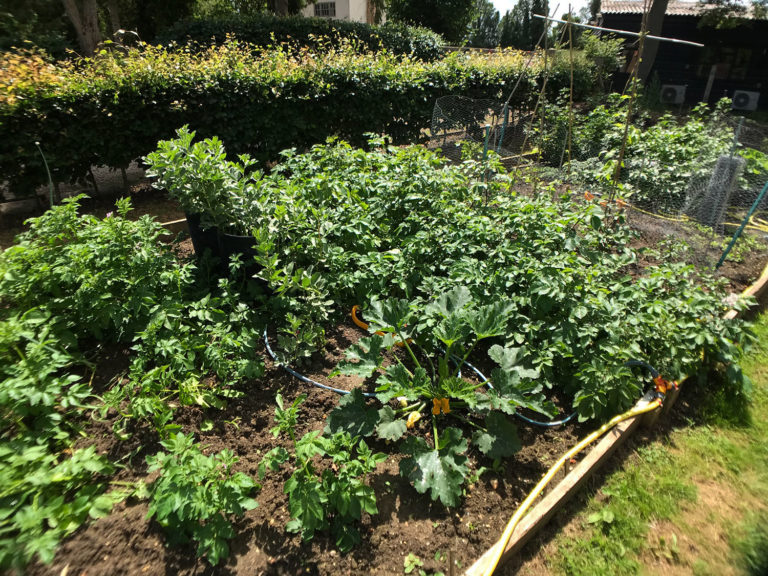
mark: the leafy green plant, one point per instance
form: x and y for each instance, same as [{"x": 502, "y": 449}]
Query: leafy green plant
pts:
[
  {"x": 458, "y": 325},
  {"x": 191, "y": 352},
  {"x": 196, "y": 495},
  {"x": 224, "y": 193},
  {"x": 327, "y": 489},
  {"x": 47, "y": 490},
  {"x": 351, "y": 226},
  {"x": 45, "y": 496},
  {"x": 98, "y": 276}
]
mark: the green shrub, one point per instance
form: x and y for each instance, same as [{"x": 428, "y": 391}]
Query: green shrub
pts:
[
  {"x": 99, "y": 277},
  {"x": 113, "y": 109},
  {"x": 196, "y": 495},
  {"x": 267, "y": 29}
]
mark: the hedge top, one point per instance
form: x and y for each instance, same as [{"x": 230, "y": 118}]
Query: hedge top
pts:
[
  {"x": 269, "y": 30},
  {"x": 113, "y": 108}
]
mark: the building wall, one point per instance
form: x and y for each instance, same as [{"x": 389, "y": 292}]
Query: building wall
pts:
[
  {"x": 355, "y": 10},
  {"x": 739, "y": 55}
]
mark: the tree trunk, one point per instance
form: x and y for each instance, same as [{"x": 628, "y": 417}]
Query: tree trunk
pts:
[
  {"x": 114, "y": 16},
  {"x": 85, "y": 19},
  {"x": 651, "y": 47}
]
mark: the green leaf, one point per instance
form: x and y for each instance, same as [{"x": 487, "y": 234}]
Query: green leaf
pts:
[
  {"x": 442, "y": 472},
  {"x": 510, "y": 360},
  {"x": 391, "y": 315},
  {"x": 450, "y": 303},
  {"x": 390, "y": 427},
  {"x": 397, "y": 382},
  {"x": 509, "y": 393},
  {"x": 364, "y": 357},
  {"x": 500, "y": 440},
  {"x": 352, "y": 415},
  {"x": 451, "y": 329},
  {"x": 491, "y": 320}
]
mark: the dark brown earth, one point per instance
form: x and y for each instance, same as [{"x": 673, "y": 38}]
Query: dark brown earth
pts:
[{"x": 408, "y": 522}]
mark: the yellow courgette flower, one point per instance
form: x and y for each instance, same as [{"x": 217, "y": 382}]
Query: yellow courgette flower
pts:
[
  {"x": 413, "y": 417},
  {"x": 440, "y": 405}
]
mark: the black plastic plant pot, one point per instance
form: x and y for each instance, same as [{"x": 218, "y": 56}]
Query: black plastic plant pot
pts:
[
  {"x": 230, "y": 244},
  {"x": 202, "y": 239}
]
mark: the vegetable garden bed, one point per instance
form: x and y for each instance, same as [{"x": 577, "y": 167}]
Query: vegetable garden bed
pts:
[{"x": 543, "y": 295}]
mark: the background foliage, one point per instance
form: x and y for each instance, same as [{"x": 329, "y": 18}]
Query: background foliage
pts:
[
  {"x": 264, "y": 29},
  {"x": 113, "y": 108}
]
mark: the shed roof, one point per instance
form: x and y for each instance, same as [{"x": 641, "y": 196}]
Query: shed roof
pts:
[{"x": 674, "y": 8}]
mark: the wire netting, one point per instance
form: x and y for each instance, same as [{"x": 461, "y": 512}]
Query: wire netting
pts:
[
  {"x": 463, "y": 127},
  {"x": 716, "y": 197}
]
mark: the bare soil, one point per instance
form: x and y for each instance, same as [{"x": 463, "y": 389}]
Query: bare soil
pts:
[{"x": 127, "y": 543}]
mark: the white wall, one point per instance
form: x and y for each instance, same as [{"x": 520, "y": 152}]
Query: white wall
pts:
[{"x": 355, "y": 10}]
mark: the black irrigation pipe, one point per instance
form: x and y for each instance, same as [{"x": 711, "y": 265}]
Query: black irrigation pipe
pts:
[{"x": 531, "y": 421}]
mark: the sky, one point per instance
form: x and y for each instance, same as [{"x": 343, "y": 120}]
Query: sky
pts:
[{"x": 503, "y": 5}]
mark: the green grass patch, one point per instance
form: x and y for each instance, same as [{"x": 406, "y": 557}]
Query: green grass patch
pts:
[{"x": 726, "y": 454}]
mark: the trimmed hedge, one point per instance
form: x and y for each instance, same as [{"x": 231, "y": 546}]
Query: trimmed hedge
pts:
[
  {"x": 113, "y": 109},
  {"x": 268, "y": 30}
]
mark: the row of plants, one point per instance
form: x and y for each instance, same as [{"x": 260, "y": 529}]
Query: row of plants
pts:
[
  {"x": 664, "y": 158},
  {"x": 70, "y": 285},
  {"x": 266, "y": 29},
  {"x": 449, "y": 257},
  {"x": 112, "y": 109}
]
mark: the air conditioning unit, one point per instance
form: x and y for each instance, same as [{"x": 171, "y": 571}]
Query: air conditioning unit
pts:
[
  {"x": 672, "y": 93},
  {"x": 745, "y": 100}
]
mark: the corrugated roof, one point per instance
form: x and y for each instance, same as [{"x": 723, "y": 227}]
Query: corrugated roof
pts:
[{"x": 636, "y": 7}]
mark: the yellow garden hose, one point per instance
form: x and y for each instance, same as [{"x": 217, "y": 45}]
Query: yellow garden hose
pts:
[{"x": 498, "y": 549}]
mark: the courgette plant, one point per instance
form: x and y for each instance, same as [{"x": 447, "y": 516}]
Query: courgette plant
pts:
[{"x": 426, "y": 377}]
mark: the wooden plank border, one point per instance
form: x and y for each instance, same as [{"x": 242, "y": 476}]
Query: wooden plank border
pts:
[
  {"x": 174, "y": 227},
  {"x": 570, "y": 484}
]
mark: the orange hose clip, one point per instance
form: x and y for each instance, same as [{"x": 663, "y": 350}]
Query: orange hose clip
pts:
[{"x": 664, "y": 386}]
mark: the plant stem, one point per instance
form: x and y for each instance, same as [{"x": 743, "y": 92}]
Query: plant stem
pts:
[
  {"x": 434, "y": 432},
  {"x": 468, "y": 421},
  {"x": 407, "y": 347}
]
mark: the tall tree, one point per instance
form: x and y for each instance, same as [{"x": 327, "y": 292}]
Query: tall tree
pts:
[
  {"x": 538, "y": 25},
  {"x": 594, "y": 8},
  {"x": 654, "y": 22},
  {"x": 84, "y": 15},
  {"x": 484, "y": 29},
  {"x": 519, "y": 28},
  {"x": 451, "y": 18},
  {"x": 42, "y": 23},
  {"x": 731, "y": 13}
]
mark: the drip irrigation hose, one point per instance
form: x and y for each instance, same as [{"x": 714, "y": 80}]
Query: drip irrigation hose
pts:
[
  {"x": 364, "y": 326},
  {"x": 499, "y": 547},
  {"x": 303, "y": 378}
]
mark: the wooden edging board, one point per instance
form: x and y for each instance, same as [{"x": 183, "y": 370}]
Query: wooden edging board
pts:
[
  {"x": 174, "y": 227},
  {"x": 573, "y": 480}
]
